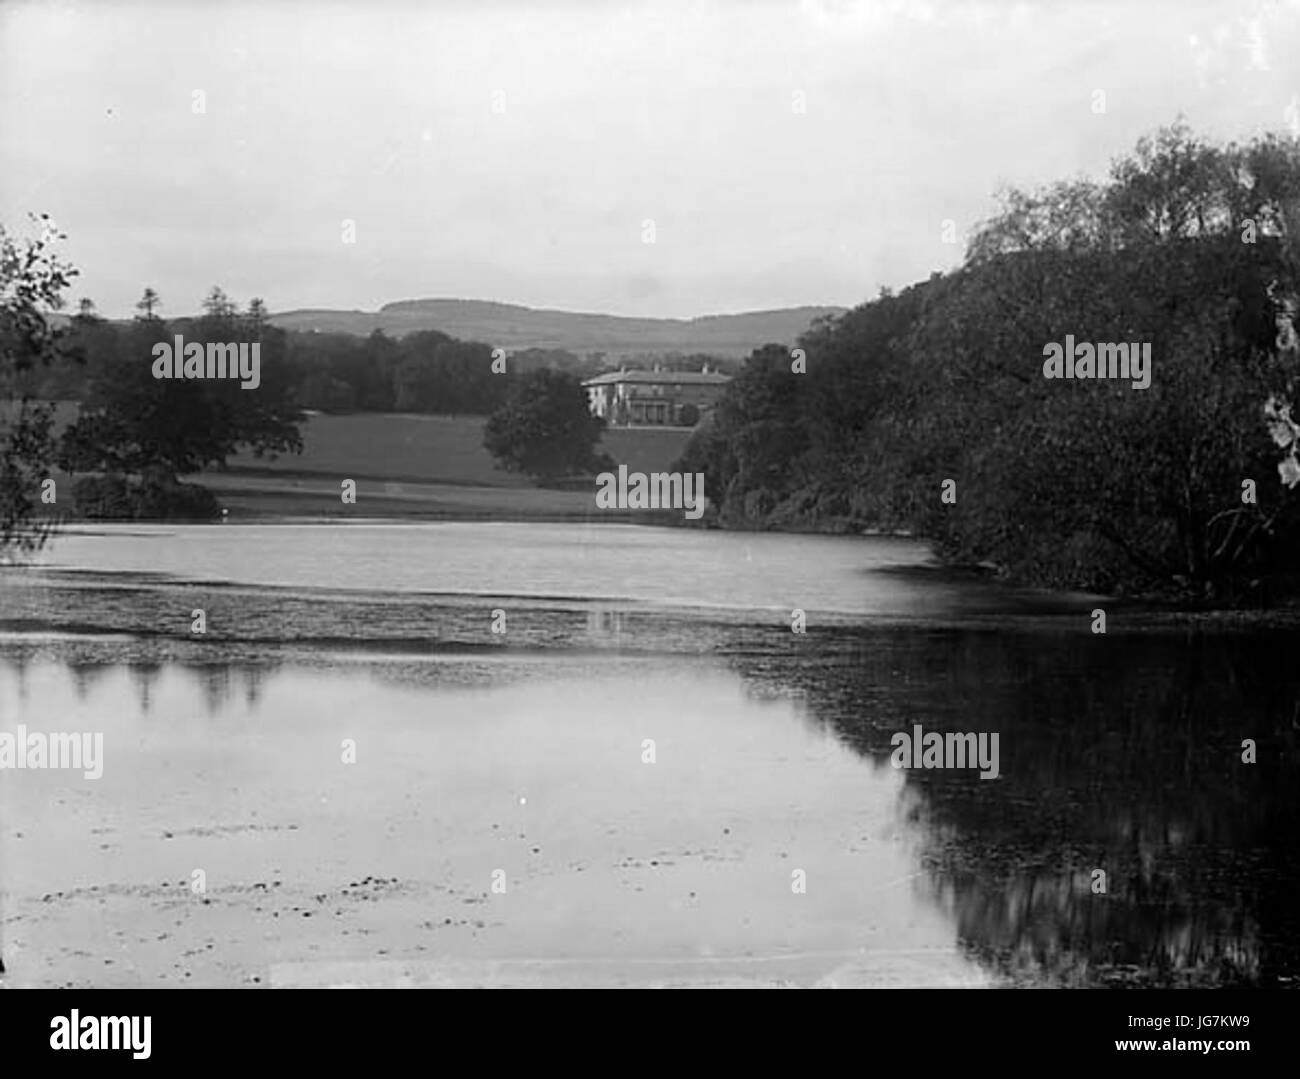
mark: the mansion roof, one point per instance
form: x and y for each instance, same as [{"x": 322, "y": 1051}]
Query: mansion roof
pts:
[{"x": 660, "y": 378}]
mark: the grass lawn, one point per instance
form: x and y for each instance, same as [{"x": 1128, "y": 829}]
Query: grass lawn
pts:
[
  {"x": 436, "y": 449},
  {"x": 409, "y": 465}
]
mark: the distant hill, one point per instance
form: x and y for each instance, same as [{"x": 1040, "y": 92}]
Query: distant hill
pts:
[{"x": 510, "y": 326}]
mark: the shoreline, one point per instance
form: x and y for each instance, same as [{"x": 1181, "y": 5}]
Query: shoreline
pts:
[{"x": 258, "y": 503}]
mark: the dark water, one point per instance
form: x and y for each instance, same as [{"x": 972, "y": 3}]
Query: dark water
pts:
[{"x": 1119, "y": 753}]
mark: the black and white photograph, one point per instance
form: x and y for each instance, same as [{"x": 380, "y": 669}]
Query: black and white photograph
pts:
[{"x": 546, "y": 494}]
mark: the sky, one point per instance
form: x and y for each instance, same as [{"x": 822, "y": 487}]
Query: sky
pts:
[{"x": 666, "y": 159}]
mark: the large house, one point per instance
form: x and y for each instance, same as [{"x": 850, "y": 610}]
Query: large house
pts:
[{"x": 653, "y": 398}]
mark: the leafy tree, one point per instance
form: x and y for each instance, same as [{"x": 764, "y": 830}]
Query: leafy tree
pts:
[
  {"x": 545, "y": 427},
  {"x": 32, "y": 281},
  {"x": 321, "y": 364},
  {"x": 760, "y": 410},
  {"x": 417, "y": 376},
  {"x": 219, "y": 308},
  {"x": 132, "y": 423},
  {"x": 1092, "y": 484},
  {"x": 437, "y": 373},
  {"x": 530, "y": 359},
  {"x": 1187, "y": 246},
  {"x": 257, "y": 314},
  {"x": 372, "y": 376}
]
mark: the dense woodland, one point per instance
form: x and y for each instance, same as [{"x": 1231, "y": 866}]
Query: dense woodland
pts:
[
  {"x": 1187, "y": 245},
  {"x": 422, "y": 372}
]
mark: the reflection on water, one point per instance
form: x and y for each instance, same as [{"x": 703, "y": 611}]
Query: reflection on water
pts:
[
  {"x": 524, "y": 752},
  {"x": 1120, "y": 754},
  {"x": 690, "y": 854}
]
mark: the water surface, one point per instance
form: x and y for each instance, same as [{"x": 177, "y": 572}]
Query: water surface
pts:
[{"x": 768, "y": 842}]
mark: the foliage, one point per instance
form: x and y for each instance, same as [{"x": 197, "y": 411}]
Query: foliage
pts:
[
  {"x": 32, "y": 281},
  {"x": 1188, "y": 247},
  {"x": 114, "y": 497},
  {"x": 545, "y": 427},
  {"x": 133, "y": 423}
]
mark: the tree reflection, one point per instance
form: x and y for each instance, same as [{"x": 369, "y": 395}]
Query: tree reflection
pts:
[{"x": 1118, "y": 753}]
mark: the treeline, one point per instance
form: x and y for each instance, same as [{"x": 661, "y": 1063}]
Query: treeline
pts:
[
  {"x": 426, "y": 371},
  {"x": 1084, "y": 483},
  {"x": 422, "y": 372}
]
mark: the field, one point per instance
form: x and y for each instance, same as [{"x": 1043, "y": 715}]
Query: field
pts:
[
  {"x": 437, "y": 449},
  {"x": 421, "y": 466},
  {"x": 407, "y": 465}
]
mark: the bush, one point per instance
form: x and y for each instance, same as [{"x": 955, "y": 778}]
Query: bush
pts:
[
  {"x": 174, "y": 501},
  {"x": 103, "y": 498},
  {"x": 116, "y": 498}
]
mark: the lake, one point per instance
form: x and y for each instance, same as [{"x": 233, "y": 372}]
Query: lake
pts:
[{"x": 522, "y": 754}]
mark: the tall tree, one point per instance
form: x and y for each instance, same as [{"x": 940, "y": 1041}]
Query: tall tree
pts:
[
  {"x": 218, "y": 307},
  {"x": 257, "y": 315},
  {"x": 147, "y": 303}
]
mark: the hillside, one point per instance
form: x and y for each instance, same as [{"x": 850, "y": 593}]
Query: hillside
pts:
[{"x": 513, "y": 327}]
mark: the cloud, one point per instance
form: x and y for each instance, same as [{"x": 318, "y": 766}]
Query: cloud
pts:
[{"x": 512, "y": 150}]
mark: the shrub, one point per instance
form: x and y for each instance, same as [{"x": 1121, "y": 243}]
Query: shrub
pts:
[
  {"x": 117, "y": 498},
  {"x": 103, "y": 498}
]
